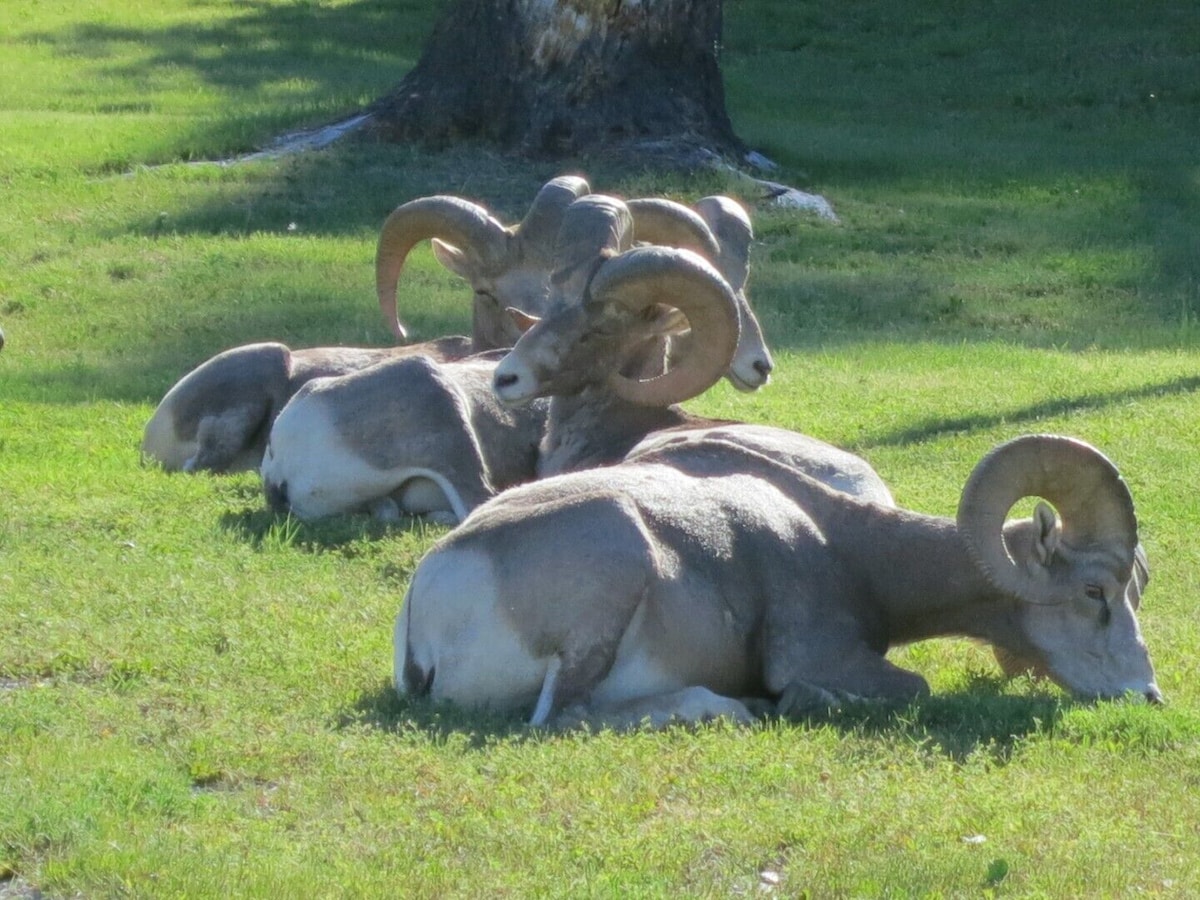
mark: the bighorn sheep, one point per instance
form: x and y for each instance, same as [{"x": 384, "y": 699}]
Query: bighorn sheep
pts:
[
  {"x": 609, "y": 317},
  {"x": 408, "y": 435},
  {"x": 217, "y": 416},
  {"x": 668, "y": 586},
  {"x": 423, "y": 438}
]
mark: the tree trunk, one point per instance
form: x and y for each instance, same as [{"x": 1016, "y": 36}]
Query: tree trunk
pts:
[{"x": 560, "y": 77}]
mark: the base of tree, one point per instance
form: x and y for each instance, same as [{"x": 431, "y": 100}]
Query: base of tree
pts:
[
  {"x": 678, "y": 155},
  {"x": 622, "y": 84},
  {"x": 555, "y": 78}
]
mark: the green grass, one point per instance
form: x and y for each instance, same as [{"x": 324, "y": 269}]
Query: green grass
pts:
[{"x": 194, "y": 693}]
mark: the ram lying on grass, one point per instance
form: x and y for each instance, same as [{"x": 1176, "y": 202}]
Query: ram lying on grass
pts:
[
  {"x": 411, "y": 436},
  {"x": 624, "y": 315},
  {"x": 217, "y": 417},
  {"x": 669, "y": 587}
]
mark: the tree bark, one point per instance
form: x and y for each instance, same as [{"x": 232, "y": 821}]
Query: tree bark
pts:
[{"x": 562, "y": 77}]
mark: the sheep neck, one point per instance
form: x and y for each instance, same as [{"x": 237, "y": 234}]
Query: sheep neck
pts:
[
  {"x": 918, "y": 570},
  {"x": 595, "y": 428},
  {"x": 914, "y": 569}
]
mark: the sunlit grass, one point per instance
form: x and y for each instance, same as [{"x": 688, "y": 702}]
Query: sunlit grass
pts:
[{"x": 195, "y": 694}]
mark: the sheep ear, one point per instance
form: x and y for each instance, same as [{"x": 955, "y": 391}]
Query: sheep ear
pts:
[
  {"x": 1049, "y": 532},
  {"x": 523, "y": 320},
  {"x": 453, "y": 259}
]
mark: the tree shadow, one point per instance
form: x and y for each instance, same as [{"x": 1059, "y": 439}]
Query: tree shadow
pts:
[{"x": 333, "y": 54}]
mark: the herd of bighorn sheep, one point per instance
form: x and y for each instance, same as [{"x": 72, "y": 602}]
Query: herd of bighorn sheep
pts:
[{"x": 616, "y": 559}]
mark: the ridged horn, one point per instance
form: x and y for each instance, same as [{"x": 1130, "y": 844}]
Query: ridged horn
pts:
[
  {"x": 593, "y": 228},
  {"x": 451, "y": 219},
  {"x": 539, "y": 228},
  {"x": 730, "y": 224},
  {"x": 648, "y": 276},
  {"x": 671, "y": 224},
  {"x": 1093, "y": 503}
]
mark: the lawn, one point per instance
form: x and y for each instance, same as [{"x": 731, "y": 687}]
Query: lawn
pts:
[{"x": 195, "y": 693}]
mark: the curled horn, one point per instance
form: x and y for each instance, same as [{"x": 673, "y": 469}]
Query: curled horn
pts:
[
  {"x": 1093, "y": 502},
  {"x": 540, "y": 226},
  {"x": 452, "y": 219},
  {"x": 648, "y": 276},
  {"x": 671, "y": 224},
  {"x": 730, "y": 224},
  {"x": 594, "y": 228}
]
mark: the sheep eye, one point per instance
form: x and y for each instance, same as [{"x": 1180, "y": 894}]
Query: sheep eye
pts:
[{"x": 1095, "y": 592}]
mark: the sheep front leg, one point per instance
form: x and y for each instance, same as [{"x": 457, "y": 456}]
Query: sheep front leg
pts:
[
  {"x": 817, "y": 653},
  {"x": 855, "y": 677}
]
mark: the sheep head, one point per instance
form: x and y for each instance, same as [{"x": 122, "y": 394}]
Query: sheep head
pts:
[
  {"x": 608, "y": 301},
  {"x": 504, "y": 266},
  {"x": 1075, "y": 575}
]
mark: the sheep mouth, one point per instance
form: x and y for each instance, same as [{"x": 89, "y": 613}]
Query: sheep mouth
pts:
[
  {"x": 746, "y": 386},
  {"x": 510, "y": 392}
]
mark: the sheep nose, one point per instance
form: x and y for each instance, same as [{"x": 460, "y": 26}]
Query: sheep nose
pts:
[
  {"x": 1155, "y": 696},
  {"x": 504, "y": 379},
  {"x": 763, "y": 367}
]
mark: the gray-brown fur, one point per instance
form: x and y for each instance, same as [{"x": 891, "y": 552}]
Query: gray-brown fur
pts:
[
  {"x": 489, "y": 446},
  {"x": 372, "y": 414},
  {"x": 217, "y": 417}
]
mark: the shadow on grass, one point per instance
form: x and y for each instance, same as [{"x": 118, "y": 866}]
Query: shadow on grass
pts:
[
  {"x": 144, "y": 372},
  {"x": 1021, "y": 129},
  {"x": 325, "y": 53},
  {"x": 981, "y": 718},
  {"x": 935, "y": 428},
  {"x": 348, "y": 535},
  {"x": 985, "y": 718},
  {"x": 383, "y": 709},
  {"x": 350, "y": 189}
]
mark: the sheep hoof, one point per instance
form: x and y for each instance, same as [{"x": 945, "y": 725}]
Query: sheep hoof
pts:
[{"x": 803, "y": 698}]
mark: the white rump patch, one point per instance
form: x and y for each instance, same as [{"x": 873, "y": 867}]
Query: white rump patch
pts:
[{"x": 457, "y": 629}]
